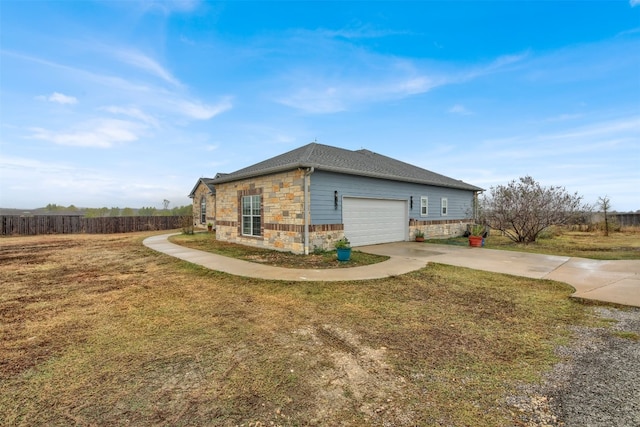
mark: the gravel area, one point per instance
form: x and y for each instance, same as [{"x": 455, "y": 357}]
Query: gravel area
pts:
[{"x": 598, "y": 384}]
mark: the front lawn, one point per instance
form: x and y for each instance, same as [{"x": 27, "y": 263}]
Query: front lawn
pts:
[
  {"x": 99, "y": 330},
  {"x": 322, "y": 259}
]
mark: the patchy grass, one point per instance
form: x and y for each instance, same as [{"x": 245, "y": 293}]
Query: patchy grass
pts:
[
  {"x": 619, "y": 245},
  {"x": 99, "y": 330},
  {"x": 325, "y": 259},
  {"x": 627, "y": 335}
]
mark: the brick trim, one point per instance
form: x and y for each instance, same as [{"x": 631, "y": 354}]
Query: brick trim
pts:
[
  {"x": 284, "y": 227},
  {"x": 300, "y": 228},
  {"x": 326, "y": 227}
]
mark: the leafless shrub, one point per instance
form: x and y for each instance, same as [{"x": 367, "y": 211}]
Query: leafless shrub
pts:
[{"x": 523, "y": 208}]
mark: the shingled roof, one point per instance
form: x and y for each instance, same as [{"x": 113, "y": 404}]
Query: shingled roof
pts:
[
  {"x": 206, "y": 181},
  {"x": 333, "y": 159}
]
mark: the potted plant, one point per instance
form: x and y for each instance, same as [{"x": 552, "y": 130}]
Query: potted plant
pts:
[
  {"x": 343, "y": 248},
  {"x": 419, "y": 235},
  {"x": 209, "y": 226},
  {"x": 476, "y": 236}
]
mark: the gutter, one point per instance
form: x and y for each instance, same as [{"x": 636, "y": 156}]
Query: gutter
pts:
[{"x": 307, "y": 206}]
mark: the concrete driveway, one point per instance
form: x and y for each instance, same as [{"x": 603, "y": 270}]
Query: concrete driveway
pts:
[{"x": 609, "y": 281}]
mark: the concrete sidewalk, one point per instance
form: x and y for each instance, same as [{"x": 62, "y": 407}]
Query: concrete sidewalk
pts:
[
  {"x": 609, "y": 281},
  {"x": 392, "y": 267}
]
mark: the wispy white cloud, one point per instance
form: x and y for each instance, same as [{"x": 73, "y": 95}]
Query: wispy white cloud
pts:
[
  {"x": 171, "y": 6},
  {"x": 23, "y": 163},
  {"x": 634, "y": 3},
  {"x": 186, "y": 40},
  {"x": 604, "y": 137},
  {"x": 133, "y": 112},
  {"x": 319, "y": 87},
  {"x": 334, "y": 96},
  {"x": 199, "y": 110},
  {"x": 101, "y": 133},
  {"x": 355, "y": 31},
  {"x": 60, "y": 98},
  {"x": 562, "y": 118},
  {"x": 460, "y": 109},
  {"x": 144, "y": 62},
  {"x": 176, "y": 102},
  {"x": 324, "y": 100},
  {"x": 608, "y": 129},
  {"x": 78, "y": 73},
  {"x": 499, "y": 64}
]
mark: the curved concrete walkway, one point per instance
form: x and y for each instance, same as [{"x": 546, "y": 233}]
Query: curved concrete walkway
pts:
[
  {"x": 609, "y": 281},
  {"x": 391, "y": 267}
]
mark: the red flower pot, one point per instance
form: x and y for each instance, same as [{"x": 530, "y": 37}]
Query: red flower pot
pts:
[{"x": 475, "y": 241}]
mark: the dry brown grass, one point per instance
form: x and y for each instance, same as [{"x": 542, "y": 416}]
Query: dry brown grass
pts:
[{"x": 99, "y": 330}]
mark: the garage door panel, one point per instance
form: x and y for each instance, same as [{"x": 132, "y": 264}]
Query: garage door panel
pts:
[{"x": 372, "y": 221}]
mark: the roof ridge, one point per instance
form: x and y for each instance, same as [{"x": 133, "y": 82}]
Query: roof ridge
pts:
[{"x": 309, "y": 151}]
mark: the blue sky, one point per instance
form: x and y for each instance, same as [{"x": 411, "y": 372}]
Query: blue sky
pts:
[{"x": 128, "y": 103}]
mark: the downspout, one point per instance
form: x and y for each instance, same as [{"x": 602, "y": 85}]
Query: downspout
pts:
[{"x": 307, "y": 206}]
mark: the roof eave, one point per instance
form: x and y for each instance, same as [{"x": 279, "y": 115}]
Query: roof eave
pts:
[
  {"x": 200, "y": 181},
  {"x": 261, "y": 172}
]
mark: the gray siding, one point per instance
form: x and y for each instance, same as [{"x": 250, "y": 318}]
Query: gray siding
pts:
[{"x": 323, "y": 185}]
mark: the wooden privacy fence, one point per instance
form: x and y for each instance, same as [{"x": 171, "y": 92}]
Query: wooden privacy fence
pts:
[
  {"x": 63, "y": 224},
  {"x": 628, "y": 219}
]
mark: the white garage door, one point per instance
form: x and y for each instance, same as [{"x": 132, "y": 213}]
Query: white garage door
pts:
[{"x": 371, "y": 221}]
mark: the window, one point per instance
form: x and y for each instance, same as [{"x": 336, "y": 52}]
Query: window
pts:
[
  {"x": 444, "y": 204},
  {"x": 251, "y": 219},
  {"x": 424, "y": 206},
  {"x": 203, "y": 210}
]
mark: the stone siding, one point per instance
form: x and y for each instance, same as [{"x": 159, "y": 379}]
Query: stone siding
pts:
[
  {"x": 439, "y": 229},
  {"x": 322, "y": 237},
  {"x": 282, "y": 211},
  {"x": 211, "y": 206}
]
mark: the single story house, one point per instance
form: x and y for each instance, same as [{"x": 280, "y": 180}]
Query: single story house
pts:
[
  {"x": 204, "y": 203},
  {"x": 314, "y": 195}
]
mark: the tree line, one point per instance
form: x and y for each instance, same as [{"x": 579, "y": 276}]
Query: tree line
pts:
[{"x": 53, "y": 208}]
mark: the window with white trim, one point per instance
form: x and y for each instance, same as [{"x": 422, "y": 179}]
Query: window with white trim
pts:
[
  {"x": 424, "y": 206},
  {"x": 251, "y": 219},
  {"x": 444, "y": 206},
  {"x": 203, "y": 210}
]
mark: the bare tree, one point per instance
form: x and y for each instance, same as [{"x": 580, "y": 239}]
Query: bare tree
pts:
[
  {"x": 605, "y": 204},
  {"x": 522, "y": 209},
  {"x": 165, "y": 203}
]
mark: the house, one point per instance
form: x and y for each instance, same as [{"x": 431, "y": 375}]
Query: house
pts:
[
  {"x": 309, "y": 197},
  {"x": 204, "y": 203}
]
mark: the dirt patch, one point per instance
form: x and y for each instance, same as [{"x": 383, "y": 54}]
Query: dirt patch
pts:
[{"x": 358, "y": 376}]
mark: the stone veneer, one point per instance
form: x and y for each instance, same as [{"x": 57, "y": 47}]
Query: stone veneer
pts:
[
  {"x": 323, "y": 236},
  {"x": 437, "y": 229},
  {"x": 282, "y": 211},
  {"x": 201, "y": 190}
]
